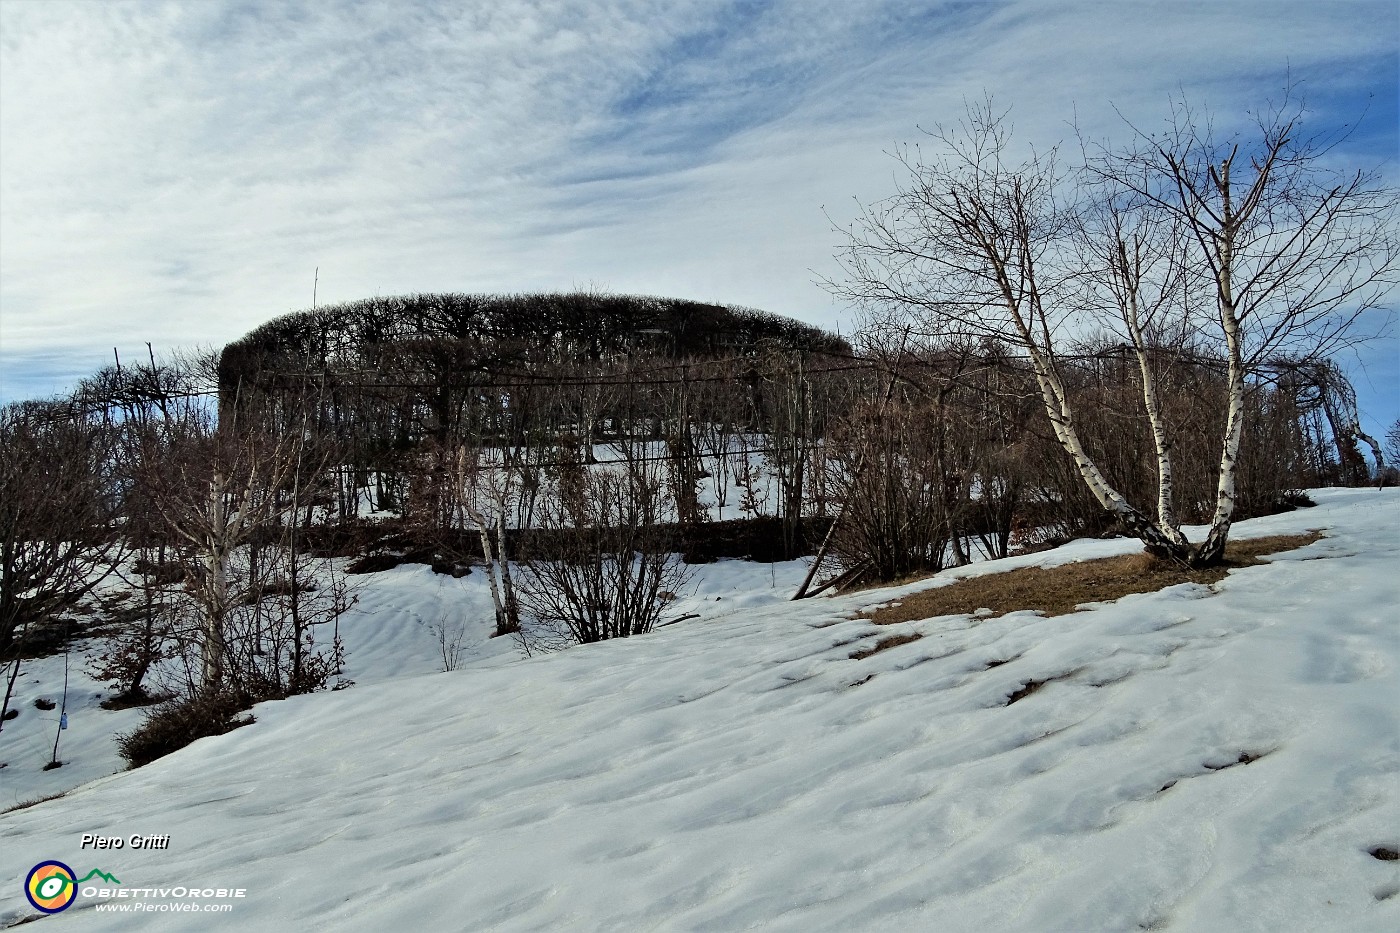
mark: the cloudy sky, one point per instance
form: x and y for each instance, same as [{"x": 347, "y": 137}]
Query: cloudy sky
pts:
[{"x": 175, "y": 172}]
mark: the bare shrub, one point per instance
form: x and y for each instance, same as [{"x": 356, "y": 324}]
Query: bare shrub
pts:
[
  {"x": 448, "y": 633},
  {"x": 171, "y": 726},
  {"x": 615, "y": 574}
]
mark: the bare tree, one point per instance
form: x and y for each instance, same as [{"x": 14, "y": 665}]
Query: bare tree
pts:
[
  {"x": 58, "y": 530},
  {"x": 143, "y": 635},
  {"x": 216, "y": 491},
  {"x": 973, "y": 245},
  {"x": 979, "y": 243},
  {"x": 789, "y": 439},
  {"x": 612, "y": 574},
  {"x": 1139, "y": 287},
  {"x": 140, "y": 398},
  {"x": 449, "y": 631},
  {"x": 684, "y": 463},
  {"x": 483, "y": 489},
  {"x": 716, "y": 435},
  {"x": 1337, "y": 401},
  {"x": 1296, "y": 250}
]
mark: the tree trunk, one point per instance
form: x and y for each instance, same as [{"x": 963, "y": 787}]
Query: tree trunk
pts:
[
  {"x": 1053, "y": 394},
  {"x": 509, "y": 603},
  {"x": 216, "y": 587},
  {"x": 1166, "y": 511},
  {"x": 1212, "y": 550}
]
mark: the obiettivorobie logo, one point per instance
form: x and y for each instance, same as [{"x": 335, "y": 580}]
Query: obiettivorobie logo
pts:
[{"x": 52, "y": 886}]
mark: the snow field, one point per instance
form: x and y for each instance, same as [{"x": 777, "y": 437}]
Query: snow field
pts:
[
  {"x": 387, "y": 634},
  {"x": 1191, "y": 760}
]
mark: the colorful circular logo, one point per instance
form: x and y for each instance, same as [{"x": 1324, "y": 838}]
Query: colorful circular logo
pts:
[{"x": 51, "y": 886}]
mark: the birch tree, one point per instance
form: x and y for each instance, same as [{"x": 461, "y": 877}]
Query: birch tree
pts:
[
  {"x": 973, "y": 245},
  {"x": 978, "y": 242},
  {"x": 482, "y": 493},
  {"x": 1295, "y": 250},
  {"x": 1140, "y": 285},
  {"x": 215, "y": 491}
]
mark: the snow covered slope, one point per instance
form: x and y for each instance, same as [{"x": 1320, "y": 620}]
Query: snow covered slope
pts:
[
  {"x": 389, "y": 633},
  {"x": 1195, "y": 760}
]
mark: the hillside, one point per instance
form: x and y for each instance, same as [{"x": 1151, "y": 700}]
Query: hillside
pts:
[{"x": 1202, "y": 758}]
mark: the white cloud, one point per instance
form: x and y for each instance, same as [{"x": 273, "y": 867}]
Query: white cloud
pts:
[{"x": 175, "y": 172}]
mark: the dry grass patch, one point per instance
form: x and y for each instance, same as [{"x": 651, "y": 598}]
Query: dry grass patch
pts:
[
  {"x": 890, "y": 642},
  {"x": 1058, "y": 590},
  {"x": 26, "y": 804}
]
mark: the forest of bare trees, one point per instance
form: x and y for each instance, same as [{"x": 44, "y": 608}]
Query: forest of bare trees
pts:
[
  {"x": 580, "y": 485},
  {"x": 1136, "y": 341}
]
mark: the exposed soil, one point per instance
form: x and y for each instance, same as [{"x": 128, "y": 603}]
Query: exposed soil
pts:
[
  {"x": 1244, "y": 759},
  {"x": 884, "y": 643},
  {"x": 1059, "y": 590},
  {"x": 131, "y": 700}
]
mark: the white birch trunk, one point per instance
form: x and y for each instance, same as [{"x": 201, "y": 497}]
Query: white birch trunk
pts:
[
  {"x": 1052, "y": 393},
  {"x": 1375, "y": 452},
  {"x": 512, "y": 611},
  {"x": 1166, "y": 512},
  {"x": 488, "y": 554},
  {"x": 1057, "y": 408},
  {"x": 497, "y": 576},
  {"x": 1214, "y": 546}
]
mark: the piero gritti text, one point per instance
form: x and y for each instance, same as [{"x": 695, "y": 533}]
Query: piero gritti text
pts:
[{"x": 134, "y": 841}]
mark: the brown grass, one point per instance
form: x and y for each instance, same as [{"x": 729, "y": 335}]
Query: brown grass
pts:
[
  {"x": 26, "y": 804},
  {"x": 1058, "y": 590},
  {"x": 890, "y": 642}
]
